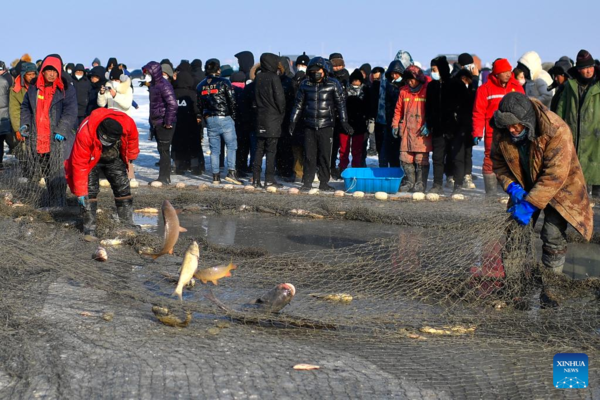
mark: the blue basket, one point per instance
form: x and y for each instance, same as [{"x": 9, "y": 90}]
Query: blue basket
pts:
[{"x": 371, "y": 180}]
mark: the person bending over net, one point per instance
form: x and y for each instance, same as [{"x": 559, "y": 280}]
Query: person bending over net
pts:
[
  {"x": 107, "y": 141},
  {"x": 535, "y": 161}
]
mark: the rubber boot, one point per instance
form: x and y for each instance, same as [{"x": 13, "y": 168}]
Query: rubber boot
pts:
[
  {"x": 409, "y": 177},
  {"x": 491, "y": 184},
  {"x": 125, "y": 211},
  {"x": 89, "y": 217},
  {"x": 418, "y": 187},
  {"x": 425, "y": 176}
]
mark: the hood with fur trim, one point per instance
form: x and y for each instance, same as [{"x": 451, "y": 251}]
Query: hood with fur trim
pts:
[{"x": 533, "y": 62}]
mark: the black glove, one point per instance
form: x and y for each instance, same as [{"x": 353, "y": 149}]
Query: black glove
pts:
[
  {"x": 347, "y": 128},
  {"x": 292, "y": 128}
]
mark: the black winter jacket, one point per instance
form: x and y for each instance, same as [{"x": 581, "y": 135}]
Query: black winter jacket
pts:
[
  {"x": 318, "y": 104},
  {"x": 82, "y": 87},
  {"x": 357, "y": 103},
  {"x": 187, "y": 134},
  {"x": 269, "y": 97},
  {"x": 216, "y": 98},
  {"x": 441, "y": 106}
]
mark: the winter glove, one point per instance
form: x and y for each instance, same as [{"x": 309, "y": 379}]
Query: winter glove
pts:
[
  {"x": 522, "y": 212},
  {"x": 81, "y": 201},
  {"x": 516, "y": 192},
  {"x": 58, "y": 137},
  {"x": 476, "y": 141},
  {"x": 19, "y": 137},
  {"x": 424, "y": 131},
  {"x": 395, "y": 132},
  {"x": 292, "y": 128},
  {"x": 347, "y": 128},
  {"x": 24, "y": 130}
]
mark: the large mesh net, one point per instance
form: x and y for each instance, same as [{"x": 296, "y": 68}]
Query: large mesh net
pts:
[{"x": 446, "y": 308}]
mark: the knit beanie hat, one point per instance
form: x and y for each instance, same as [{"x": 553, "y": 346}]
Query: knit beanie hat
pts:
[
  {"x": 226, "y": 70},
  {"x": 515, "y": 108},
  {"x": 167, "y": 69},
  {"x": 501, "y": 65},
  {"x": 584, "y": 59},
  {"x": 109, "y": 131},
  {"x": 465, "y": 59}
]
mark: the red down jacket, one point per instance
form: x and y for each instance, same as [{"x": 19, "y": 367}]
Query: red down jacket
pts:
[
  {"x": 487, "y": 101},
  {"x": 87, "y": 148}
]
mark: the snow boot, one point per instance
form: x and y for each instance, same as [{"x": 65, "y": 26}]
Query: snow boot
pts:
[
  {"x": 468, "y": 182},
  {"x": 232, "y": 177},
  {"x": 409, "y": 177},
  {"x": 216, "y": 179},
  {"x": 437, "y": 189}
]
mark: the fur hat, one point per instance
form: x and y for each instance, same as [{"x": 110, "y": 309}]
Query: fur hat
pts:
[
  {"x": 356, "y": 75},
  {"x": 337, "y": 60},
  {"x": 515, "y": 108}
]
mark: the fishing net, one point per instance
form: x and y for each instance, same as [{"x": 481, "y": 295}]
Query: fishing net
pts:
[
  {"x": 36, "y": 179},
  {"x": 446, "y": 308}
]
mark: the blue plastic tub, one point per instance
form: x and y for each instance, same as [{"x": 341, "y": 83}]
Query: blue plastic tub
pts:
[{"x": 371, "y": 180}]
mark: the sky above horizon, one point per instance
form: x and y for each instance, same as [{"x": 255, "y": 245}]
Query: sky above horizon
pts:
[{"x": 138, "y": 32}]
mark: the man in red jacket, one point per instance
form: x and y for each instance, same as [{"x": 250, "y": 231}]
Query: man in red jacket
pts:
[
  {"x": 107, "y": 141},
  {"x": 489, "y": 95}
]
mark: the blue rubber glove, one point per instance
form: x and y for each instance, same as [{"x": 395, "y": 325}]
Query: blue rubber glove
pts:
[
  {"x": 81, "y": 201},
  {"x": 24, "y": 130},
  {"x": 59, "y": 137},
  {"x": 424, "y": 131},
  {"x": 522, "y": 212},
  {"x": 516, "y": 192},
  {"x": 395, "y": 132},
  {"x": 476, "y": 140}
]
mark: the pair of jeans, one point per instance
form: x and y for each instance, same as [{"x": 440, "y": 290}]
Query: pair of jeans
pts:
[
  {"x": 221, "y": 129},
  {"x": 317, "y": 152}
]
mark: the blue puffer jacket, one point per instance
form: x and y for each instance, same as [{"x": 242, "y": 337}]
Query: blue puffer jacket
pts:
[
  {"x": 63, "y": 115},
  {"x": 163, "y": 103}
]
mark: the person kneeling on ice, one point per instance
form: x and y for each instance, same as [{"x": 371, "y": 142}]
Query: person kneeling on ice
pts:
[
  {"x": 534, "y": 159},
  {"x": 107, "y": 141}
]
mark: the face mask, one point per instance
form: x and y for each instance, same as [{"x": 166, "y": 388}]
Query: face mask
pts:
[
  {"x": 522, "y": 136},
  {"x": 316, "y": 76},
  {"x": 147, "y": 78},
  {"x": 398, "y": 80},
  {"x": 69, "y": 71},
  {"x": 435, "y": 76},
  {"x": 301, "y": 68},
  {"x": 356, "y": 87},
  {"x": 522, "y": 82},
  {"x": 78, "y": 77},
  {"x": 116, "y": 84},
  {"x": 166, "y": 76}
]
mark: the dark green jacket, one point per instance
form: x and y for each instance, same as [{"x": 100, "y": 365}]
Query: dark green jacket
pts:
[{"x": 584, "y": 124}]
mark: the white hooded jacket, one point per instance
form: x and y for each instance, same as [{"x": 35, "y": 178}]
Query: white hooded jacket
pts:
[
  {"x": 122, "y": 101},
  {"x": 537, "y": 87}
]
